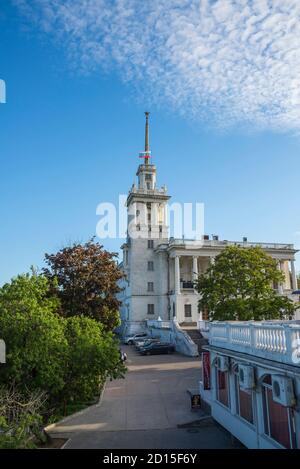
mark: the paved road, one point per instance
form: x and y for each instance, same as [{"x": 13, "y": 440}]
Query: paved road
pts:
[{"x": 144, "y": 409}]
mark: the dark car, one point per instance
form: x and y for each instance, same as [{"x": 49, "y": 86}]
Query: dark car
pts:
[
  {"x": 156, "y": 348},
  {"x": 141, "y": 343}
]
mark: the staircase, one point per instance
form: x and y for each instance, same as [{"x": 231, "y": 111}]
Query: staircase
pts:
[{"x": 196, "y": 336}]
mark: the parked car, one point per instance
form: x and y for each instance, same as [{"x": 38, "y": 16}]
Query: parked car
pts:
[
  {"x": 130, "y": 339},
  {"x": 139, "y": 343},
  {"x": 157, "y": 348}
]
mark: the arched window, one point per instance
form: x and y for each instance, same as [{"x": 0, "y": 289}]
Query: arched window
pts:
[{"x": 278, "y": 419}]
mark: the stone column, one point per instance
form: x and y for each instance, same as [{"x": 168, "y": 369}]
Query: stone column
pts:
[
  {"x": 177, "y": 276},
  {"x": 280, "y": 286},
  {"x": 195, "y": 268},
  {"x": 294, "y": 276}
]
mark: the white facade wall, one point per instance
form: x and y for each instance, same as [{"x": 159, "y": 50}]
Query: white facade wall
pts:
[
  {"x": 252, "y": 436},
  {"x": 255, "y": 434}
]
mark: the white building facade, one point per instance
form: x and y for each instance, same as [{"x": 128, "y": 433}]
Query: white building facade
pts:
[
  {"x": 251, "y": 381},
  {"x": 160, "y": 271}
]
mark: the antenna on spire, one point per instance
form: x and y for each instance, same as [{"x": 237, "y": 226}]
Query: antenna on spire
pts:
[
  {"x": 147, "y": 132},
  {"x": 147, "y": 153}
]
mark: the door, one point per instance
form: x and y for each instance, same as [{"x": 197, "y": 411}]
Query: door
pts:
[{"x": 187, "y": 313}]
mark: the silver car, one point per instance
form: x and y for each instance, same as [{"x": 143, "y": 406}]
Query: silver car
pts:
[{"x": 130, "y": 339}]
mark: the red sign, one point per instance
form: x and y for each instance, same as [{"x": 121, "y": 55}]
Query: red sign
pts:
[{"x": 206, "y": 370}]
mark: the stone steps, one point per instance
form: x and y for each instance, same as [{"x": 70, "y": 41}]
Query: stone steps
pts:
[{"x": 196, "y": 337}]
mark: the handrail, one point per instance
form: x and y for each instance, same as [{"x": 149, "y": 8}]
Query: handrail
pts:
[
  {"x": 277, "y": 341},
  {"x": 212, "y": 242}
]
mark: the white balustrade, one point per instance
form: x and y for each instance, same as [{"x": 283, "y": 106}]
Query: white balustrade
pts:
[{"x": 278, "y": 341}]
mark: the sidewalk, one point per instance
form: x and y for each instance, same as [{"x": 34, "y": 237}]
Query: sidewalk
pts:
[{"x": 144, "y": 409}]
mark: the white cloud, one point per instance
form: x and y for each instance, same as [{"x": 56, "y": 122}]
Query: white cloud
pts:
[{"x": 224, "y": 61}]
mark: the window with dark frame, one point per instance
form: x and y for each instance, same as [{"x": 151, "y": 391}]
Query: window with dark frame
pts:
[
  {"x": 150, "y": 286},
  {"x": 244, "y": 400},
  {"x": 222, "y": 380},
  {"x": 150, "y": 244},
  {"x": 150, "y": 265},
  {"x": 187, "y": 311},
  {"x": 150, "y": 308},
  {"x": 278, "y": 420}
]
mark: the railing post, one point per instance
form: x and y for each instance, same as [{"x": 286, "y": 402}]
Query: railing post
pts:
[
  {"x": 252, "y": 337},
  {"x": 288, "y": 341},
  {"x": 228, "y": 335}
]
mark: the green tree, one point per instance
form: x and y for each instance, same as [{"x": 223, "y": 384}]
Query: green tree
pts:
[
  {"x": 92, "y": 356},
  {"x": 34, "y": 335},
  {"x": 67, "y": 358},
  {"x": 239, "y": 286},
  {"x": 87, "y": 282}
]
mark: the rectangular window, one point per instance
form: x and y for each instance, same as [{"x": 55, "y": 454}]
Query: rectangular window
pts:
[
  {"x": 149, "y": 205},
  {"x": 244, "y": 402},
  {"x": 188, "y": 311},
  {"x": 278, "y": 420},
  {"x": 150, "y": 309},
  {"x": 148, "y": 177},
  {"x": 150, "y": 286},
  {"x": 149, "y": 216},
  {"x": 222, "y": 387},
  {"x": 150, "y": 244},
  {"x": 150, "y": 265}
]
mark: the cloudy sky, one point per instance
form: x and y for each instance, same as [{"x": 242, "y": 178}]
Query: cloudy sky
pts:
[
  {"x": 220, "y": 77},
  {"x": 237, "y": 61}
]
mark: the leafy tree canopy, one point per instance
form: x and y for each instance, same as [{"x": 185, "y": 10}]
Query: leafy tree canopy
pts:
[
  {"x": 87, "y": 282},
  {"x": 92, "y": 356},
  {"x": 239, "y": 286},
  {"x": 68, "y": 358},
  {"x": 33, "y": 333}
]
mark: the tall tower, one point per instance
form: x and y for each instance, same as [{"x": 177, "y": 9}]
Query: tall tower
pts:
[{"x": 144, "y": 263}]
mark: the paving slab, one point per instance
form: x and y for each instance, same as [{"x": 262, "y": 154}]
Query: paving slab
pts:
[{"x": 144, "y": 409}]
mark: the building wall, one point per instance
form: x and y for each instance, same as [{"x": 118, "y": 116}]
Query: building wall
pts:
[
  {"x": 251, "y": 435},
  {"x": 185, "y": 298}
]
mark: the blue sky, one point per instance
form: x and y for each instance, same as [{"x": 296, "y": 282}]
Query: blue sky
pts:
[{"x": 73, "y": 123}]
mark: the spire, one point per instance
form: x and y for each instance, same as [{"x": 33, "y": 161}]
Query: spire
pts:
[
  {"x": 146, "y": 154},
  {"x": 147, "y": 132}
]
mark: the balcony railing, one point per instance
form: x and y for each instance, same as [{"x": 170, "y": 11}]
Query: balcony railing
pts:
[
  {"x": 278, "y": 341},
  {"x": 157, "y": 190},
  {"x": 158, "y": 324},
  {"x": 211, "y": 242},
  {"x": 187, "y": 284}
]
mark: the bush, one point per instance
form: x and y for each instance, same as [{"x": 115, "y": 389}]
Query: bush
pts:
[
  {"x": 66, "y": 358},
  {"x": 34, "y": 335},
  {"x": 92, "y": 356},
  {"x": 20, "y": 420}
]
